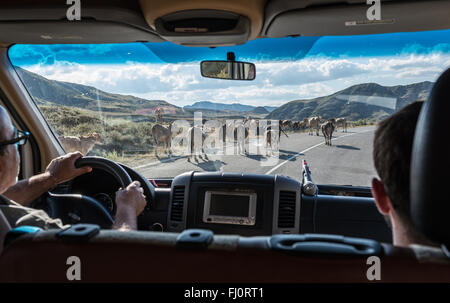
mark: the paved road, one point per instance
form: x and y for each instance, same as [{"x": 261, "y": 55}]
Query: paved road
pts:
[{"x": 348, "y": 161}]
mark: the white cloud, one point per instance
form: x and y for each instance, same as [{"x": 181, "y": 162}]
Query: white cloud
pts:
[{"x": 275, "y": 84}]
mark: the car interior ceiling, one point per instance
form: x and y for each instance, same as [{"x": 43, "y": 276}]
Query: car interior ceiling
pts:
[{"x": 327, "y": 234}]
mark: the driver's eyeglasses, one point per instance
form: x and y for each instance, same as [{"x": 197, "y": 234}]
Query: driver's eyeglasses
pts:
[{"x": 20, "y": 138}]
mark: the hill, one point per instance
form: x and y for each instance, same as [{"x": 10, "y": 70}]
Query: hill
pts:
[
  {"x": 259, "y": 110},
  {"x": 47, "y": 92},
  {"x": 361, "y": 101}
]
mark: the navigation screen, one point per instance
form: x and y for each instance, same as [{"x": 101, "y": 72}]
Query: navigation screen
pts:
[{"x": 229, "y": 205}]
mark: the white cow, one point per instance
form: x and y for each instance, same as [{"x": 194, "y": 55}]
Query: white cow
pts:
[{"x": 341, "y": 122}]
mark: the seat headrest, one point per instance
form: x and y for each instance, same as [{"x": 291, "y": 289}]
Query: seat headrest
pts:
[{"x": 430, "y": 165}]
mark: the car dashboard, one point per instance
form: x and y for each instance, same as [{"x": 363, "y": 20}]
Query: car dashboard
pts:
[
  {"x": 280, "y": 207},
  {"x": 244, "y": 204}
]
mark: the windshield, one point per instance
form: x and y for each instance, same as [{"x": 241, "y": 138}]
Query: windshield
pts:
[{"x": 136, "y": 103}]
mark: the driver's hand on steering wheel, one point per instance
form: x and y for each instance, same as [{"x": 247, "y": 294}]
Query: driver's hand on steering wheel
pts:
[
  {"x": 131, "y": 197},
  {"x": 62, "y": 169}
]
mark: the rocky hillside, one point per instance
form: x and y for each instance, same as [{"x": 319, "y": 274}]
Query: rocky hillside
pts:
[
  {"x": 48, "y": 92},
  {"x": 362, "y": 101}
]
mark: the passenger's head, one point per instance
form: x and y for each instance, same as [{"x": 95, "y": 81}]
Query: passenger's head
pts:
[
  {"x": 9, "y": 156},
  {"x": 392, "y": 158}
]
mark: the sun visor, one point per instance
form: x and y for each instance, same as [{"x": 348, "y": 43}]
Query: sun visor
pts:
[
  {"x": 200, "y": 27},
  {"x": 48, "y": 24},
  {"x": 59, "y": 32},
  {"x": 283, "y": 18}
]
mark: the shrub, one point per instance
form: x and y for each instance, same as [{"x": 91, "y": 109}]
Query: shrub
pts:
[{"x": 119, "y": 134}]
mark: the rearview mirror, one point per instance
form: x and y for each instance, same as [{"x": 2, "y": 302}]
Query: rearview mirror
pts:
[{"x": 229, "y": 70}]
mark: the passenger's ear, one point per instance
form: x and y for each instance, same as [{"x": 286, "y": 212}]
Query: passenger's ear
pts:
[{"x": 381, "y": 198}]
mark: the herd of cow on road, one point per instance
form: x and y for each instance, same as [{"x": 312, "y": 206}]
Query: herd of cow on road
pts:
[{"x": 239, "y": 133}]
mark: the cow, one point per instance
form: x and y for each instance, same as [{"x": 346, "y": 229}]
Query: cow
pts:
[
  {"x": 162, "y": 136},
  {"x": 328, "y": 129},
  {"x": 302, "y": 125},
  {"x": 296, "y": 125},
  {"x": 314, "y": 124},
  {"x": 286, "y": 124},
  {"x": 280, "y": 130},
  {"x": 83, "y": 144},
  {"x": 240, "y": 134},
  {"x": 305, "y": 123},
  {"x": 341, "y": 122},
  {"x": 252, "y": 124},
  {"x": 268, "y": 139},
  {"x": 196, "y": 148}
]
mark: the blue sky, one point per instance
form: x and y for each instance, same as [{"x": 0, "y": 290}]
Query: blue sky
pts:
[{"x": 287, "y": 68}]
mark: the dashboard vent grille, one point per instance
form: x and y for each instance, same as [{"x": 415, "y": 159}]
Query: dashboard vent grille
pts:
[
  {"x": 176, "y": 213},
  {"x": 286, "y": 209}
]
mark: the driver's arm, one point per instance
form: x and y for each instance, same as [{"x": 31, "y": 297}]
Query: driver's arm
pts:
[
  {"x": 130, "y": 203},
  {"x": 59, "y": 170}
]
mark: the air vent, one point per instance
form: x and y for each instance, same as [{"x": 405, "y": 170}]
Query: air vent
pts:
[
  {"x": 176, "y": 213},
  {"x": 286, "y": 209}
]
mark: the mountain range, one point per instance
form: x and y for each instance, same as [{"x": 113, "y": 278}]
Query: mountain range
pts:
[{"x": 361, "y": 101}]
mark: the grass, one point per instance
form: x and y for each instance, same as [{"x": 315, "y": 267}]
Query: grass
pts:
[
  {"x": 114, "y": 156},
  {"x": 363, "y": 122}
]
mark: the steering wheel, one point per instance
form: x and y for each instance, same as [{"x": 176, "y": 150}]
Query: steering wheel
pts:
[{"x": 76, "y": 208}]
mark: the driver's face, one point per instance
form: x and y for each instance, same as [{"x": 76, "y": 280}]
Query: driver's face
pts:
[{"x": 9, "y": 160}]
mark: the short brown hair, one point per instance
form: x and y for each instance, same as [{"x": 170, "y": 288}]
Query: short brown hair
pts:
[{"x": 392, "y": 151}]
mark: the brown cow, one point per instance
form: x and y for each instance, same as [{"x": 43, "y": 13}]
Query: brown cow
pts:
[
  {"x": 327, "y": 130},
  {"x": 305, "y": 122},
  {"x": 286, "y": 124},
  {"x": 162, "y": 136},
  {"x": 314, "y": 124},
  {"x": 83, "y": 144},
  {"x": 268, "y": 139},
  {"x": 269, "y": 136}
]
